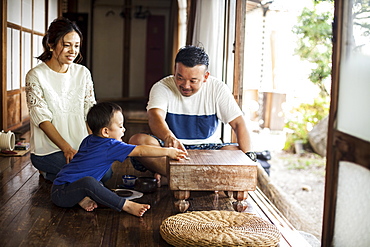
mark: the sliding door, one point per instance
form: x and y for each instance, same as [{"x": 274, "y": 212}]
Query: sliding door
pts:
[{"x": 347, "y": 196}]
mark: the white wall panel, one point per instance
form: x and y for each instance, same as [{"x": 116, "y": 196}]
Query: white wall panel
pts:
[{"x": 108, "y": 52}]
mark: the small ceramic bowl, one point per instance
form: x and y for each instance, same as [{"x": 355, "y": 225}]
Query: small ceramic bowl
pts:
[
  {"x": 146, "y": 184},
  {"x": 129, "y": 181}
]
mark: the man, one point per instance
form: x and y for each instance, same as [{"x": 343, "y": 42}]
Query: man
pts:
[{"x": 184, "y": 111}]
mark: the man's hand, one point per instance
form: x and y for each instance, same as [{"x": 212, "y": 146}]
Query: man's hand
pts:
[{"x": 171, "y": 141}]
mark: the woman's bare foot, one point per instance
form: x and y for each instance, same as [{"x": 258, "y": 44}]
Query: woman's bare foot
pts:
[
  {"x": 161, "y": 180},
  {"x": 88, "y": 204},
  {"x": 134, "y": 208}
]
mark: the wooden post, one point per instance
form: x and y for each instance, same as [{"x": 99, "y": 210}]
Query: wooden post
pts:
[{"x": 3, "y": 104}]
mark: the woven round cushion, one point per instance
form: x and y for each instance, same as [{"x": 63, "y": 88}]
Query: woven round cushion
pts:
[{"x": 218, "y": 228}]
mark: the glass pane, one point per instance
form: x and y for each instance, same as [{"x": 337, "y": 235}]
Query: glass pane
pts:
[
  {"x": 13, "y": 11},
  {"x": 9, "y": 60},
  {"x": 37, "y": 49},
  {"x": 52, "y": 11},
  {"x": 39, "y": 16},
  {"x": 16, "y": 59},
  {"x": 355, "y": 72},
  {"x": 26, "y": 55},
  {"x": 27, "y": 14}
]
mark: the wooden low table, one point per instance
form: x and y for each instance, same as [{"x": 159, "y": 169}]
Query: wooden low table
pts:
[{"x": 212, "y": 170}]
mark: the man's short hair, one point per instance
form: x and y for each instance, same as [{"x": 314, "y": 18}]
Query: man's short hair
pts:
[
  {"x": 100, "y": 115},
  {"x": 191, "y": 56}
]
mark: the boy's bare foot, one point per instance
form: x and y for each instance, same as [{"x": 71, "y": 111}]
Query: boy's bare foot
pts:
[
  {"x": 134, "y": 208},
  {"x": 88, "y": 204},
  {"x": 161, "y": 180}
]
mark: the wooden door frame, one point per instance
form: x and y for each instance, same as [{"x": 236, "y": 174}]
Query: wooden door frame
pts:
[
  {"x": 331, "y": 176},
  {"x": 340, "y": 146}
]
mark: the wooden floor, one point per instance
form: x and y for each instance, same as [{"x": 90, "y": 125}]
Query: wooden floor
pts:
[{"x": 29, "y": 218}]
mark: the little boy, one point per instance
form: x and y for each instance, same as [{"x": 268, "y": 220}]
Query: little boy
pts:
[{"x": 78, "y": 181}]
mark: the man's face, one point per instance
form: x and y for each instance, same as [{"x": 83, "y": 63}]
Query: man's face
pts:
[{"x": 189, "y": 80}]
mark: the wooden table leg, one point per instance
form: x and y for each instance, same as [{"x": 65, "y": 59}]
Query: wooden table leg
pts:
[
  {"x": 181, "y": 204},
  {"x": 240, "y": 204}
]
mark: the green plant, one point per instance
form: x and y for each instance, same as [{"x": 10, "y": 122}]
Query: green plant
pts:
[
  {"x": 300, "y": 120},
  {"x": 314, "y": 32}
]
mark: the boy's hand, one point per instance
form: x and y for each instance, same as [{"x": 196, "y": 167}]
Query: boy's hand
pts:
[{"x": 176, "y": 154}]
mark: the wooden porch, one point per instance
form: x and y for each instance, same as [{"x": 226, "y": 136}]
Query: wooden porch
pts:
[{"x": 29, "y": 218}]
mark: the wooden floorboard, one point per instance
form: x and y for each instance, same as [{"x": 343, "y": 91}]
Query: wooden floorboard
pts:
[{"x": 14, "y": 172}]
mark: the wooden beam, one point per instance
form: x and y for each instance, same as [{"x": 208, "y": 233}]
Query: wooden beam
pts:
[
  {"x": 126, "y": 50},
  {"x": 239, "y": 50},
  {"x": 240, "y": 12},
  {"x": 191, "y": 11},
  {"x": 3, "y": 106}
]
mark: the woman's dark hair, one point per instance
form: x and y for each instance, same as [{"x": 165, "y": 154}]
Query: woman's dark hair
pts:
[
  {"x": 56, "y": 32},
  {"x": 100, "y": 115},
  {"x": 191, "y": 56}
]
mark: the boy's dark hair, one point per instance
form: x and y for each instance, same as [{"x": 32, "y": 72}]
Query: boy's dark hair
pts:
[
  {"x": 56, "y": 32},
  {"x": 191, "y": 56},
  {"x": 100, "y": 115}
]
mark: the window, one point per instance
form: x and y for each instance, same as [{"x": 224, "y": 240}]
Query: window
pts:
[{"x": 25, "y": 26}]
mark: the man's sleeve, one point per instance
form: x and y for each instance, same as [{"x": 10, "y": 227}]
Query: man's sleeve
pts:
[
  {"x": 158, "y": 97},
  {"x": 227, "y": 108}
]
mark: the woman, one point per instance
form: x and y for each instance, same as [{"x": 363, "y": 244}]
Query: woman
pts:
[{"x": 59, "y": 95}]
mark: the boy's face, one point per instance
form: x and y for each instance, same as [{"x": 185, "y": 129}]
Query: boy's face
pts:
[{"x": 116, "y": 129}]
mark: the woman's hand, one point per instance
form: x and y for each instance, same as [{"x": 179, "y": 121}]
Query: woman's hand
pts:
[
  {"x": 69, "y": 153},
  {"x": 58, "y": 140}
]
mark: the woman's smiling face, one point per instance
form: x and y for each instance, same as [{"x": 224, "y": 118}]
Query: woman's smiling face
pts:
[{"x": 67, "y": 49}]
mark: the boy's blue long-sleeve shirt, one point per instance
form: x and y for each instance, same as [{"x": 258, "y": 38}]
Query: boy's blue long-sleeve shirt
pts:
[{"x": 94, "y": 157}]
